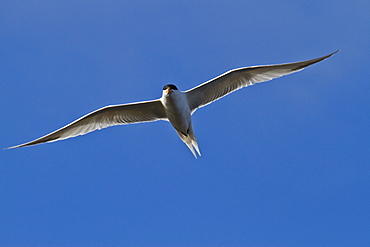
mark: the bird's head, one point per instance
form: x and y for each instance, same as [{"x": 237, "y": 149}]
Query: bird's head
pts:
[{"x": 169, "y": 88}]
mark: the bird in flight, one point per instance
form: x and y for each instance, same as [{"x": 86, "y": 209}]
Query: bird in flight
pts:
[{"x": 175, "y": 106}]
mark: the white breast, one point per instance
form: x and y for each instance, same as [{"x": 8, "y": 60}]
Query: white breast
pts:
[{"x": 177, "y": 110}]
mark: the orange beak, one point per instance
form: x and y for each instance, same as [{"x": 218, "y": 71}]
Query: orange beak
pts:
[{"x": 169, "y": 91}]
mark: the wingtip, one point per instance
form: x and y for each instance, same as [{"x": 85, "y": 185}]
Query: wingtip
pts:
[
  {"x": 335, "y": 52},
  {"x": 12, "y": 147},
  {"x": 19, "y": 146},
  {"x": 331, "y": 54}
]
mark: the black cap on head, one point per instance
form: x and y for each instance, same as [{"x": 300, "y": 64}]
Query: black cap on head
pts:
[{"x": 171, "y": 86}]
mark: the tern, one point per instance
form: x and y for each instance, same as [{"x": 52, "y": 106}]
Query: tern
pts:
[{"x": 175, "y": 106}]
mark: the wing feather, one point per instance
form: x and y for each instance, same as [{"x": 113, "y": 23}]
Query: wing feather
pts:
[
  {"x": 146, "y": 111},
  {"x": 233, "y": 80}
]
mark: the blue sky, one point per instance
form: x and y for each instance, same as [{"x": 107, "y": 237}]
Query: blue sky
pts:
[{"x": 285, "y": 163}]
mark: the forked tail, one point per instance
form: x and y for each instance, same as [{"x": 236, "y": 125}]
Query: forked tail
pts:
[{"x": 191, "y": 141}]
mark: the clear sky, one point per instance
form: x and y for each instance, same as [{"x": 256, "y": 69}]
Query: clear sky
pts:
[{"x": 285, "y": 163}]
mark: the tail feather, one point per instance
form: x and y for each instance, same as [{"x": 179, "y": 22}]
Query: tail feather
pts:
[
  {"x": 191, "y": 141},
  {"x": 190, "y": 146},
  {"x": 195, "y": 145}
]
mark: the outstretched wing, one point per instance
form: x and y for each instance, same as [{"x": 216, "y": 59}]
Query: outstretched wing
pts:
[
  {"x": 146, "y": 111},
  {"x": 236, "y": 79}
]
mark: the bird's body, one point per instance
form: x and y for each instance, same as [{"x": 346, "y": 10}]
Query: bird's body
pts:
[
  {"x": 174, "y": 106},
  {"x": 178, "y": 112}
]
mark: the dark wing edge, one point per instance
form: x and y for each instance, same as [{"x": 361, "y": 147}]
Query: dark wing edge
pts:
[
  {"x": 147, "y": 111},
  {"x": 235, "y": 79}
]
